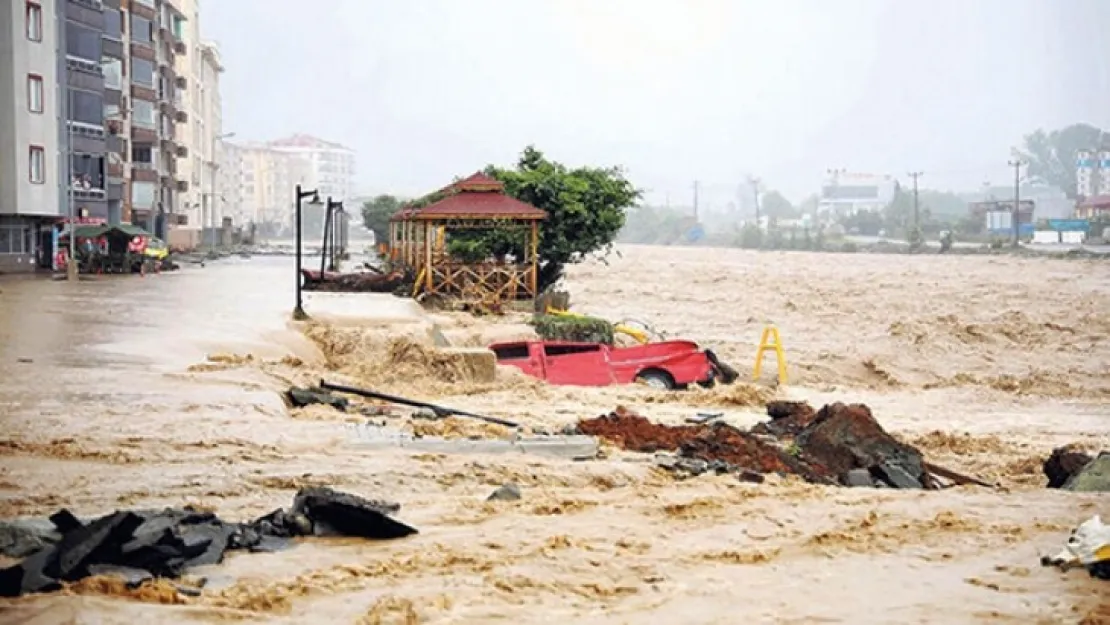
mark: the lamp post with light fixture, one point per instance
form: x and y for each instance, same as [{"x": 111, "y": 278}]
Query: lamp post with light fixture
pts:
[
  {"x": 327, "y": 251},
  {"x": 313, "y": 198}
]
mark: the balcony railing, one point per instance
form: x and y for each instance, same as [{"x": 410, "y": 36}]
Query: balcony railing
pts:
[{"x": 87, "y": 130}]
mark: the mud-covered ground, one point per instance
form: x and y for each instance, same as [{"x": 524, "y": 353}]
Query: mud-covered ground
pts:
[{"x": 985, "y": 363}]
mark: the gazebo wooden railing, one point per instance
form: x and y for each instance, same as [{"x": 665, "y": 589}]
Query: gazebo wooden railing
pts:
[{"x": 418, "y": 239}]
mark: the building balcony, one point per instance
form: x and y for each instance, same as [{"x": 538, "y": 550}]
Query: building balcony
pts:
[
  {"x": 144, "y": 51},
  {"x": 140, "y": 134},
  {"x": 81, "y": 129},
  {"x": 85, "y": 12},
  {"x": 144, "y": 93},
  {"x": 112, "y": 48},
  {"x": 181, "y": 186},
  {"x": 144, "y": 9},
  {"x": 181, "y": 117},
  {"x": 143, "y": 172}
]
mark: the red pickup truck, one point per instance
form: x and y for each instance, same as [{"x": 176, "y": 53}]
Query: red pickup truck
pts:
[{"x": 664, "y": 365}]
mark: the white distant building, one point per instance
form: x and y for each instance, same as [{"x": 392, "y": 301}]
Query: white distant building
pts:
[
  {"x": 1093, "y": 173},
  {"x": 845, "y": 193},
  {"x": 331, "y": 165}
]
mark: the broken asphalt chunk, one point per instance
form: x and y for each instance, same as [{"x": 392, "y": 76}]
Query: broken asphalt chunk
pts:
[
  {"x": 505, "y": 492},
  {"x": 1094, "y": 477},
  {"x": 301, "y": 397},
  {"x": 334, "y": 513}
]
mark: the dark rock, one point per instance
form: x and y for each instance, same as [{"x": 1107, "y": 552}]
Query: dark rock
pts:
[
  {"x": 896, "y": 476},
  {"x": 20, "y": 538},
  {"x": 29, "y": 576},
  {"x": 335, "y": 513},
  {"x": 64, "y": 521},
  {"x": 841, "y": 438},
  {"x": 1064, "y": 463},
  {"x": 271, "y": 544},
  {"x": 90, "y": 544},
  {"x": 1101, "y": 570},
  {"x": 788, "y": 418},
  {"x": 131, "y": 576},
  {"x": 506, "y": 492},
  {"x": 301, "y": 397},
  {"x": 1094, "y": 477},
  {"x": 751, "y": 476},
  {"x": 858, "y": 478}
]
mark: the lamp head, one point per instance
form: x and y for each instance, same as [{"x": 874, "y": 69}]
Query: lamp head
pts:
[{"x": 314, "y": 199}]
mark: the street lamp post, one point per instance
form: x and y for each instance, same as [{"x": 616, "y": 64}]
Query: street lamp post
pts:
[
  {"x": 314, "y": 199},
  {"x": 331, "y": 214}
]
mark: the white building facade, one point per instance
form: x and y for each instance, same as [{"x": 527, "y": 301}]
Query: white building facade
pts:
[
  {"x": 844, "y": 194},
  {"x": 331, "y": 165},
  {"x": 31, "y": 163},
  {"x": 1093, "y": 173}
]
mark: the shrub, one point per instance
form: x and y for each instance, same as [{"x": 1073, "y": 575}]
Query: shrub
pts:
[
  {"x": 849, "y": 247},
  {"x": 586, "y": 329}
]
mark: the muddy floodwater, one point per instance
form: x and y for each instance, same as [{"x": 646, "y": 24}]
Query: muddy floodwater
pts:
[{"x": 165, "y": 391}]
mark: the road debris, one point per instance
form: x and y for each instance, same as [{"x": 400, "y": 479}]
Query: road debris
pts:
[
  {"x": 1088, "y": 547},
  {"x": 566, "y": 447},
  {"x": 165, "y": 543},
  {"x": 506, "y": 492},
  {"x": 404, "y": 401},
  {"x": 839, "y": 444},
  {"x": 1070, "y": 468},
  {"x": 300, "y": 397},
  {"x": 1064, "y": 463}
]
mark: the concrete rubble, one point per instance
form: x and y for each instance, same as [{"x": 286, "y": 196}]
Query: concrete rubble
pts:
[
  {"x": 567, "y": 447},
  {"x": 144, "y": 543},
  {"x": 839, "y": 444},
  {"x": 1070, "y": 468}
]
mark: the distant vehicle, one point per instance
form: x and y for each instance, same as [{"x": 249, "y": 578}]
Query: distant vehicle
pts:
[
  {"x": 662, "y": 365},
  {"x": 156, "y": 249}
]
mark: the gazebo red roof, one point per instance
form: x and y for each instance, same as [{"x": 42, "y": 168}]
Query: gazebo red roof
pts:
[{"x": 478, "y": 196}]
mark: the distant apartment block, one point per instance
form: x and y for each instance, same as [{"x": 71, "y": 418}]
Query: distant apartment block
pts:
[
  {"x": 257, "y": 181},
  {"x": 1093, "y": 173},
  {"x": 88, "y": 106}
]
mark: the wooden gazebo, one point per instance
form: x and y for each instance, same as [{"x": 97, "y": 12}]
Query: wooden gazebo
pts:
[{"x": 418, "y": 239}]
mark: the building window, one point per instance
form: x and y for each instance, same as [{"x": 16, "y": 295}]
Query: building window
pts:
[
  {"x": 113, "y": 24},
  {"x": 16, "y": 240},
  {"x": 87, "y": 107},
  {"x": 34, "y": 21},
  {"x": 83, "y": 42},
  {"x": 113, "y": 72},
  {"x": 142, "y": 31},
  {"x": 34, "y": 93},
  {"x": 143, "y": 114},
  {"x": 37, "y": 170},
  {"x": 142, "y": 195},
  {"x": 142, "y": 72}
]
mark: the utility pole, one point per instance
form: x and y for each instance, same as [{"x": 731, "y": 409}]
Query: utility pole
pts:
[
  {"x": 754, "y": 182},
  {"x": 916, "y": 213},
  {"x": 1016, "y": 164},
  {"x": 695, "y": 201}
]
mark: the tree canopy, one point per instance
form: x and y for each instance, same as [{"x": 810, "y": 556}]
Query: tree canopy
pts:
[
  {"x": 775, "y": 205},
  {"x": 586, "y": 208},
  {"x": 1051, "y": 155},
  {"x": 376, "y": 213}
]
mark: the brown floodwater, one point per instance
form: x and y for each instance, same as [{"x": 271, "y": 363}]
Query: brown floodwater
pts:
[{"x": 164, "y": 391}]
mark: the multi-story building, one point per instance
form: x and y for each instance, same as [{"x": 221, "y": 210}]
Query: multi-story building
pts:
[
  {"x": 100, "y": 77},
  {"x": 331, "y": 166},
  {"x": 1092, "y": 173},
  {"x": 31, "y": 168},
  {"x": 201, "y": 132}
]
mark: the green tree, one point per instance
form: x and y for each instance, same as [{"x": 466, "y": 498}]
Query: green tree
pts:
[
  {"x": 1051, "y": 155},
  {"x": 809, "y": 205},
  {"x": 775, "y": 205},
  {"x": 586, "y": 208},
  {"x": 376, "y": 213}
]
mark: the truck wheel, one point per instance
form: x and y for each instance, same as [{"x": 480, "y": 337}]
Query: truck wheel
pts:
[{"x": 657, "y": 379}]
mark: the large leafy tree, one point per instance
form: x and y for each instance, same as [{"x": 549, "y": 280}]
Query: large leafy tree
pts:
[
  {"x": 586, "y": 208},
  {"x": 1051, "y": 155},
  {"x": 775, "y": 204},
  {"x": 376, "y": 213}
]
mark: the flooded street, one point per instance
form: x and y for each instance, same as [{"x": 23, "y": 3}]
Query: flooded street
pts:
[{"x": 165, "y": 391}]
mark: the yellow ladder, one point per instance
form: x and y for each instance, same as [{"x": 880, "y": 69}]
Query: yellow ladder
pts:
[{"x": 770, "y": 339}]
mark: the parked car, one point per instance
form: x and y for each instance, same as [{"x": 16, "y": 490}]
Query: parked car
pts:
[{"x": 663, "y": 365}]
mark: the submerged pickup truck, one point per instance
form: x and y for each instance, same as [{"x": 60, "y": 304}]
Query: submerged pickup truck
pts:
[{"x": 663, "y": 365}]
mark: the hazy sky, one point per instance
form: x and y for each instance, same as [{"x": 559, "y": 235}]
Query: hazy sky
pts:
[{"x": 673, "y": 90}]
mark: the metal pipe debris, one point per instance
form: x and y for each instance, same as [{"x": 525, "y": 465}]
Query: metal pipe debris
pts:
[{"x": 404, "y": 401}]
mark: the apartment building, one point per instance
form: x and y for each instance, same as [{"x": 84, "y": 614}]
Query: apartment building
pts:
[
  {"x": 93, "y": 82},
  {"x": 31, "y": 169},
  {"x": 331, "y": 165},
  {"x": 266, "y": 179},
  {"x": 201, "y": 132},
  {"x": 1092, "y": 170}
]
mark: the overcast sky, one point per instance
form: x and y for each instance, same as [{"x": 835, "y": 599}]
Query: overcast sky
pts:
[{"x": 674, "y": 90}]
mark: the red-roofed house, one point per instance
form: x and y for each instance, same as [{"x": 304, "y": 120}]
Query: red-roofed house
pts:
[{"x": 1094, "y": 207}]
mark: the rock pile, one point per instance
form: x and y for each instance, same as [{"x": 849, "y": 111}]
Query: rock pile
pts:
[
  {"x": 839, "y": 444},
  {"x": 167, "y": 542}
]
